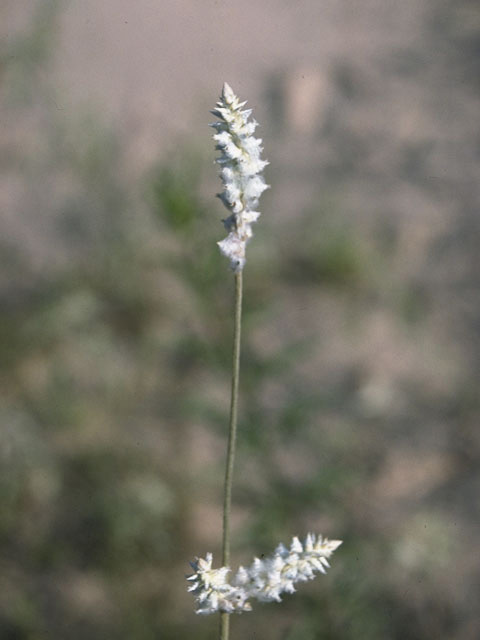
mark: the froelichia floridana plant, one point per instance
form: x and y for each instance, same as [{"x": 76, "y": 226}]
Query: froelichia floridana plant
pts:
[{"x": 216, "y": 590}]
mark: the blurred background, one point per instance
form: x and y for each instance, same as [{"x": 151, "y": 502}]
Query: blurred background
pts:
[{"x": 360, "y": 410}]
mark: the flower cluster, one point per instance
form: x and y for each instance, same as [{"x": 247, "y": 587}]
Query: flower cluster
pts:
[
  {"x": 265, "y": 579},
  {"x": 212, "y": 591},
  {"x": 240, "y": 168}
]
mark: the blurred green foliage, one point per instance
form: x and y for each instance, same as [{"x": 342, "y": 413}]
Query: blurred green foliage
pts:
[{"x": 108, "y": 369}]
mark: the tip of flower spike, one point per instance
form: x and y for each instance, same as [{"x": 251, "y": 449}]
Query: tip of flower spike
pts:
[{"x": 227, "y": 93}]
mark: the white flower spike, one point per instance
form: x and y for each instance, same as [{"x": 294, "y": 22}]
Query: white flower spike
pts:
[
  {"x": 241, "y": 167},
  {"x": 265, "y": 580}
]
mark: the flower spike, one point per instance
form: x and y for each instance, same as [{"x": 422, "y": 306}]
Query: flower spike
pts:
[
  {"x": 241, "y": 166},
  {"x": 265, "y": 580}
]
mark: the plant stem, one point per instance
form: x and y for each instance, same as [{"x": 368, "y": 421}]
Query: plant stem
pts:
[{"x": 232, "y": 436}]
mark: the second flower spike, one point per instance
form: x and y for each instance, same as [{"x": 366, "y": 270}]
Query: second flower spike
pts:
[
  {"x": 265, "y": 579},
  {"x": 241, "y": 166}
]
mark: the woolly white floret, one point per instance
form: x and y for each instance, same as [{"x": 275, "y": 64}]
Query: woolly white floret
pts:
[
  {"x": 265, "y": 579},
  {"x": 241, "y": 165},
  {"x": 212, "y": 591}
]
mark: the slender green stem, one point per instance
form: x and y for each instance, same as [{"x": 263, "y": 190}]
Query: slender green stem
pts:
[{"x": 232, "y": 436}]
